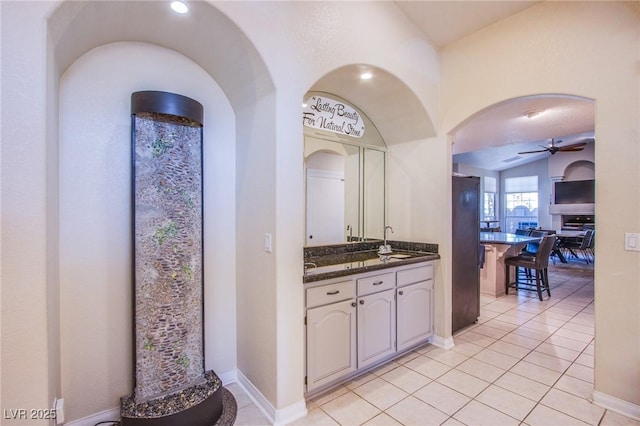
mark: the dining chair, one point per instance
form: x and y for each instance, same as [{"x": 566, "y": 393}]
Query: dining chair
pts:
[
  {"x": 539, "y": 263},
  {"x": 532, "y": 248},
  {"x": 592, "y": 243},
  {"x": 581, "y": 245}
]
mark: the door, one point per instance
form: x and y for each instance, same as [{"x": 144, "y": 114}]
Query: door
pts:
[
  {"x": 325, "y": 207},
  {"x": 414, "y": 313},
  {"x": 331, "y": 342},
  {"x": 376, "y": 327}
]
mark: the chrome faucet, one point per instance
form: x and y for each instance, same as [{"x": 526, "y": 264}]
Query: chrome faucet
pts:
[{"x": 385, "y": 248}]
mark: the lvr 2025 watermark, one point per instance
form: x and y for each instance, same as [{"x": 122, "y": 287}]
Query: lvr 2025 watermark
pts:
[{"x": 28, "y": 414}]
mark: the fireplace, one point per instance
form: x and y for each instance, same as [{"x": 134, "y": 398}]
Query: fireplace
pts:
[{"x": 577, "y": 222}]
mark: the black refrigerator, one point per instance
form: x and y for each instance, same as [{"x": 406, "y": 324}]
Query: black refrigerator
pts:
[{"x": 465, "y": 235}]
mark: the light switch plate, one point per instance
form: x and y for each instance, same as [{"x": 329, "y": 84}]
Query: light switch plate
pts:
[
  {"x": 632, "y": 241},
  {"x": 267, "y": 243}
]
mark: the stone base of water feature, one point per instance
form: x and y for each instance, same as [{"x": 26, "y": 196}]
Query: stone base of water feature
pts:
[{"x": 206, "y": 404}]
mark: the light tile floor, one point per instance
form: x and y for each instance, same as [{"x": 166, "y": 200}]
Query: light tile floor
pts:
[{"x": 526, "y": 362}]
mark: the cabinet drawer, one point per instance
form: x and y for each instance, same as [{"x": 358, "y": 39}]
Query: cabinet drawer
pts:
[
  {"x": 414, "y": 275},
  {"x": 330, "y": 293},
  {"x": 376, "y": 283}
]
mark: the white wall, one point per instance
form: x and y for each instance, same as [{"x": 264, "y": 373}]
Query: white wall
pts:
[
  {"x": 593, "y": 49},
  {"x": 28, "y": 281},
  {"x": 299, "y": 55},
  {"x": 589, "y": 49},
  {"x": 95, "y": 217},
  {"x": 419, "y": 205}
]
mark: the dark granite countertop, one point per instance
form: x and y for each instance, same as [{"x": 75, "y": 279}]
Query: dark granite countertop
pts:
[{"x": 325, "y": 262}]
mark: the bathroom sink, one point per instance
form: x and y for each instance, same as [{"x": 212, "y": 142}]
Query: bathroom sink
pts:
[{"x": 400, "y": 255}]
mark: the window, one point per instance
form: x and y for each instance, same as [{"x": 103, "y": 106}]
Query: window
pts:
[
  {"x": 521, "y": 203},
  {"x": 489, "y": 199}
]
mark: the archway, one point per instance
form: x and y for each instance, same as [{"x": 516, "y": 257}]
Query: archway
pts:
[{"x": 238, "y": 80}]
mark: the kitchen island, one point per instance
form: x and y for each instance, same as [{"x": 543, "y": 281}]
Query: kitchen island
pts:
[{"x": 498, "y": 246}]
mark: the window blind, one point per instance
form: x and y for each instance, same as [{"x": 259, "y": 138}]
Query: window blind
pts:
[{"x": 521, "y": 184}]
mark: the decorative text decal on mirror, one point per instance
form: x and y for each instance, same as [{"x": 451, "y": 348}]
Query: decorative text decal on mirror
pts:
[{"x": 329, "y": 114}]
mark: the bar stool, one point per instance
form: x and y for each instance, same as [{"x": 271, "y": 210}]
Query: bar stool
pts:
[{"x": 537, "y": 262}]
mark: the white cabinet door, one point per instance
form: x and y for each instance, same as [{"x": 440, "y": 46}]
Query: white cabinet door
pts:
[
  {"x": 331, "y": 342},
  {"x": 414, "y": 313},
  {"x": 376, "y": 327}
]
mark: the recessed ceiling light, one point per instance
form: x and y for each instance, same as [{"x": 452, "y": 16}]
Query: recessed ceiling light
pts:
[
  {"x": 366, "y": 76},
  {"x": 179, "y": 7},
  {"x": 304, "y": 105}
]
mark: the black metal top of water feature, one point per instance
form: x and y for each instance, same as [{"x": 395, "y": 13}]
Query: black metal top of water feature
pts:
[{"x": 167, "y": 103}]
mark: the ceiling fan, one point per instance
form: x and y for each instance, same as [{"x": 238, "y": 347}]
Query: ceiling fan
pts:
[{"x": 552, "y": 147}]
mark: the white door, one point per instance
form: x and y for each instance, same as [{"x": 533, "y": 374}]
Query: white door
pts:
[
  {"x": 376, "y": 327},
  {"x": 325, "y": 207},
  {"x": 414, "y": 313},
  {"x": 331, "y": 342}
]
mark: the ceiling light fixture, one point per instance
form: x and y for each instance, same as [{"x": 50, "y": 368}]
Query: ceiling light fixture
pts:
[
  {"x": 179, "y": 7},
  {"x": 533, "y": 113},
  {"x": 366, "y": 76}
]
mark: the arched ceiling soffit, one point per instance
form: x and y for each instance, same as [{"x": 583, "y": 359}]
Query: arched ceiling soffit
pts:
[
  {"x": 524, "y": 120},
  {"x": 388, "y": 102},
  {"x": 204, "y": 35}
]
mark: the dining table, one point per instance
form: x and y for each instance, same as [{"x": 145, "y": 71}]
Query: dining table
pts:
[
  {"x": 567, "y": 240},
  {"x": 497, "y": 247}
]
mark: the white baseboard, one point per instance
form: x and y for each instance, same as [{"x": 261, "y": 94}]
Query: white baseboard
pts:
[
  {"x": 112, "y": 414},
  {"x": 620, "y": 406},
  {"x": 291, "y": 413},
  {"x": 228, "y": 377},
  {"x": 275, "y": 417},
  {"x": 443, "y": 342}
]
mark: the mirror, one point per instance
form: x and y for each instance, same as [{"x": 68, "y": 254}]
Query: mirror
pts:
[{"x": 345, "y": 183}]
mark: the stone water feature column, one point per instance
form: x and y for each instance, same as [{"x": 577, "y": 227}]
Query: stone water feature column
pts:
[{"x": 171, "y": 384}]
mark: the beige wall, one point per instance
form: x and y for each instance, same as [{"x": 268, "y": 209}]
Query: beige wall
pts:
[
  {"x": 268, "y": 176},
  {"x": 551, "y": 48},
  {"x": 589, "y": 49},
  {"x": 299, "y": 56},
  {"x": 28, "y": 280}
]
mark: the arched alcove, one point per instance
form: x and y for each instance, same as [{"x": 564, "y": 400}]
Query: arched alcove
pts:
[
  {"x": 580, "y": 170},
  {"x": 391, "y": 105},
  {"x": 204, "y": 44}
]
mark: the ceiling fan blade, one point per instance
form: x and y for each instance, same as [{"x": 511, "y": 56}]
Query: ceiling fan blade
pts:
[
  {"x": 571, "y": 149},
  {"x": 533, "y": 152},
  {"x": 574, "y": 145}
]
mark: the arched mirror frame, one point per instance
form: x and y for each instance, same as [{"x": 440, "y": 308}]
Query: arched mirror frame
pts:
[{"x": 364, "y": 177}]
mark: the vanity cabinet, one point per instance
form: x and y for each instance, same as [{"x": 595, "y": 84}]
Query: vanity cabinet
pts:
[
  {"x": 376, "y": 327},
  {"x": 357, "y": 323},
  {"x": 414, "y": 292},
  {"x": 331, "y": 342}
]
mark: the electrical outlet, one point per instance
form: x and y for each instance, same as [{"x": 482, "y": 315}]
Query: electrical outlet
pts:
[{"x": 58, "y": 406}]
